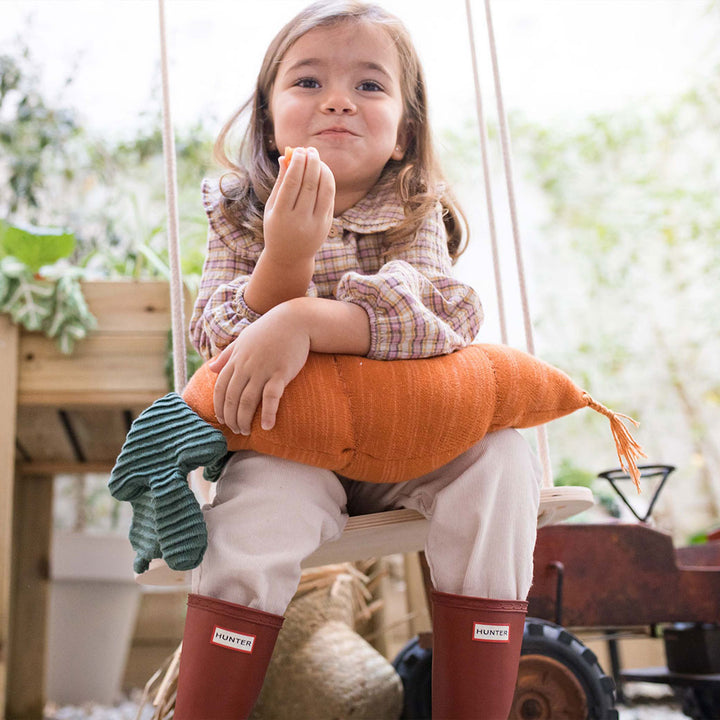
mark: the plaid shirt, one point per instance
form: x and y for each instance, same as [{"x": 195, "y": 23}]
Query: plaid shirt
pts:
[{"x": 415, "y": 308}]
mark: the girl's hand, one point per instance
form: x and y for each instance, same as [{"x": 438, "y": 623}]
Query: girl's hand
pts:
[
  {"x": 299, "y": 211},
  {"x": 256, "y": 368}
]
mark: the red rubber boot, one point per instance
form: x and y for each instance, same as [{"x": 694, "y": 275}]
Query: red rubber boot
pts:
[
  {"x": 476, "y": 652},
  {"x": 225, "y": 654}
]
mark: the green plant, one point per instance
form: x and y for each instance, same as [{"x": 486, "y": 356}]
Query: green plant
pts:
[
  {"x": 628, "y": 263},
  {"x": 38, "y": 291}
]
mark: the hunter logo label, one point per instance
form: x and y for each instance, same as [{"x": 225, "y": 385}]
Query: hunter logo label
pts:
[
  {"x": 233, "y": 640},
  {"x": 491, "y": 633}
]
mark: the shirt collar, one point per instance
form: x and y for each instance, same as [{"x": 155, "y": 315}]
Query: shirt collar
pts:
[{"x": 377, "y": 212}]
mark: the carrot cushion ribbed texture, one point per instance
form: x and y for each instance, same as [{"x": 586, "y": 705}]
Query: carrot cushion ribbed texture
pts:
[{"x": 390, "y": 421}]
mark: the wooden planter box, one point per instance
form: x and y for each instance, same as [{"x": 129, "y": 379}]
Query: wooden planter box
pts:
[{"x": 64, "y": 413}]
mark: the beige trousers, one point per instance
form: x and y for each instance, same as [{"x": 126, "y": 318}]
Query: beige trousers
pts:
[{"x": 269, "y": 514}]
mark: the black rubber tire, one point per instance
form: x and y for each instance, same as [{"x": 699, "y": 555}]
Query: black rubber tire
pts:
[
  {"x": 414, "y": 666},
  {"x": 700, "y": 703},
  {"x": 548, "y": 640}
]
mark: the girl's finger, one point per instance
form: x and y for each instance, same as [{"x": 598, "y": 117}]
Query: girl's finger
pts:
[
  {"x": 234, "y": 390},
  {"x": 307, "y": 197},
  {"x": 272, "y": 392},
  {"x": 217, "y": 363},
  {"x": 282, "y": 163},
  {"x": 219, "y": 393},
  {"x": 289, "y": 188},
  {"x": 325, "y": 199},
  {"x": 247, "y": 407}
]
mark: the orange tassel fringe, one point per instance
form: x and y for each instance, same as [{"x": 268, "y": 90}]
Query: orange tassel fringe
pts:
[{"x": 628, "y": 449}]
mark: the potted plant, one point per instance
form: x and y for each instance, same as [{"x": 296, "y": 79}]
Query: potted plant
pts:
[
  {"x": 37, "y": 288},
  {"x": 94, "y": 599}
]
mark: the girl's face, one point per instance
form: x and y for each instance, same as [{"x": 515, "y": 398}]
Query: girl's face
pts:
[{"x": 338, "y": 90}]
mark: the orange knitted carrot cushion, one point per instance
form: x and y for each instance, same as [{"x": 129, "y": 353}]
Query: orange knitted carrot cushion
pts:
[{"x": 390, "y": 421}]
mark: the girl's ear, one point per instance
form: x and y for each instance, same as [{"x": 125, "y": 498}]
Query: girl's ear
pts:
[
  {"x": 269, "y": 134},
  {"x": 402, "y": 142},
  {"x": 269, "y": 137}
]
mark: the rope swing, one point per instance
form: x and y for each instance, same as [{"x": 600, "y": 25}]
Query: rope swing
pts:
[
  {"x": 173, "y": 237},
  {"x": 541, "y": 430},
  {"x": 181, "y": 434},
  {"x": 541, "y": 383},
  {"x": 178, "y": 320}
]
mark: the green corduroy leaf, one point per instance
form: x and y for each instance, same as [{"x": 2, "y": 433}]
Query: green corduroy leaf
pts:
[{"x": 165, "y": 443}]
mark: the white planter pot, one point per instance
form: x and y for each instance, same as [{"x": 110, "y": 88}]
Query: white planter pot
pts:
[{"x": 93, "y": 607}]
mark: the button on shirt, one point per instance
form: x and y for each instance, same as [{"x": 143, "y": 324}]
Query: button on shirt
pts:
[{"x": 416, "y": 308}]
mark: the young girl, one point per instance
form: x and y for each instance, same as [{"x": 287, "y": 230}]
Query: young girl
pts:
[{"x": 346, "y": 248}]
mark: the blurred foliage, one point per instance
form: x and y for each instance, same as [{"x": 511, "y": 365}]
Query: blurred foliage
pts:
[
  {"x": 111, "y": 192},
  {"x": 628, "y": 266},
  {"x": 53, "y": 172},
  {"x": 620, "y": 222},
  {"x": 569, "y": 474},
  {"x": 37, "y": 289},
  {"x": 624, "y": 268},
  {"x": 35, "y": 137},
  {"x": 699, "y": 538},
  {"x": 83, "y": 503}
]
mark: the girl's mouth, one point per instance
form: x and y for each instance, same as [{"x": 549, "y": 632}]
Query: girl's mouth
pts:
[{"x": 336, "y": 132}]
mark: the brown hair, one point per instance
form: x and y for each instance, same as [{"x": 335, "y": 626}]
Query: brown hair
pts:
[{"x": 254, "y": 165}]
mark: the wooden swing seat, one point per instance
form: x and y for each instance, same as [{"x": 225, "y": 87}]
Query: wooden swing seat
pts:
[{"x": 390, "y": 532}]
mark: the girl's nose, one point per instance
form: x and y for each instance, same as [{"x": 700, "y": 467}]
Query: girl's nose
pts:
[{"x": 338, "y": 102}]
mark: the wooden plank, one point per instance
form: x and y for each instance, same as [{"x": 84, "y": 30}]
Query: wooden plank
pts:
[
  {"x": 365, "y": 536},
  {"x": 416, "y": 595},
  {"x": 132, "y": 307},
  {"x": 9, "y": 375},
  {"x": 100, "y": 432},
  {"x": 141, "y": 398},
  {"x": 374, "y": 535},
  {"x": 107, "y": 370},
  {"x": 42, "y": 436},
  {"x": 562, "y": 502},
  {"x": 55, "y": 467},
  {"x": 26, "y": 658},
  {"x": 121, "y": 362}
]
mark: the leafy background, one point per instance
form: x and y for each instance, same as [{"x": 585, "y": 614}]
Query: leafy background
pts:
[{"x": 622, "y": 224}]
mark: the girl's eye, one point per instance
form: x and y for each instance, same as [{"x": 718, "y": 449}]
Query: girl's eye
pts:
[
  {"x": 307, "y": 83},
  {"x": 370, "y": 86}
]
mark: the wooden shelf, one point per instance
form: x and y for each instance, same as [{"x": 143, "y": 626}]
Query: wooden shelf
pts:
[{"x": 75, "y": 410}]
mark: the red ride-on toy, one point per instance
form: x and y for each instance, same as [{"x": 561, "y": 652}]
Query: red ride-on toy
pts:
[
  {"x": 617, "y": 575},
  {"x": 612, "y": 577}
]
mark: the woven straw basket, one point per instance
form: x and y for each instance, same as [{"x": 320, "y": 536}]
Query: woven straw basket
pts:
[{"x": 321, "y": 668}]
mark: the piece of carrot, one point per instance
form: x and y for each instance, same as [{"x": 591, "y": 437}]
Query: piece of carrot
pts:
[{"x": 288, "y": 154}]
